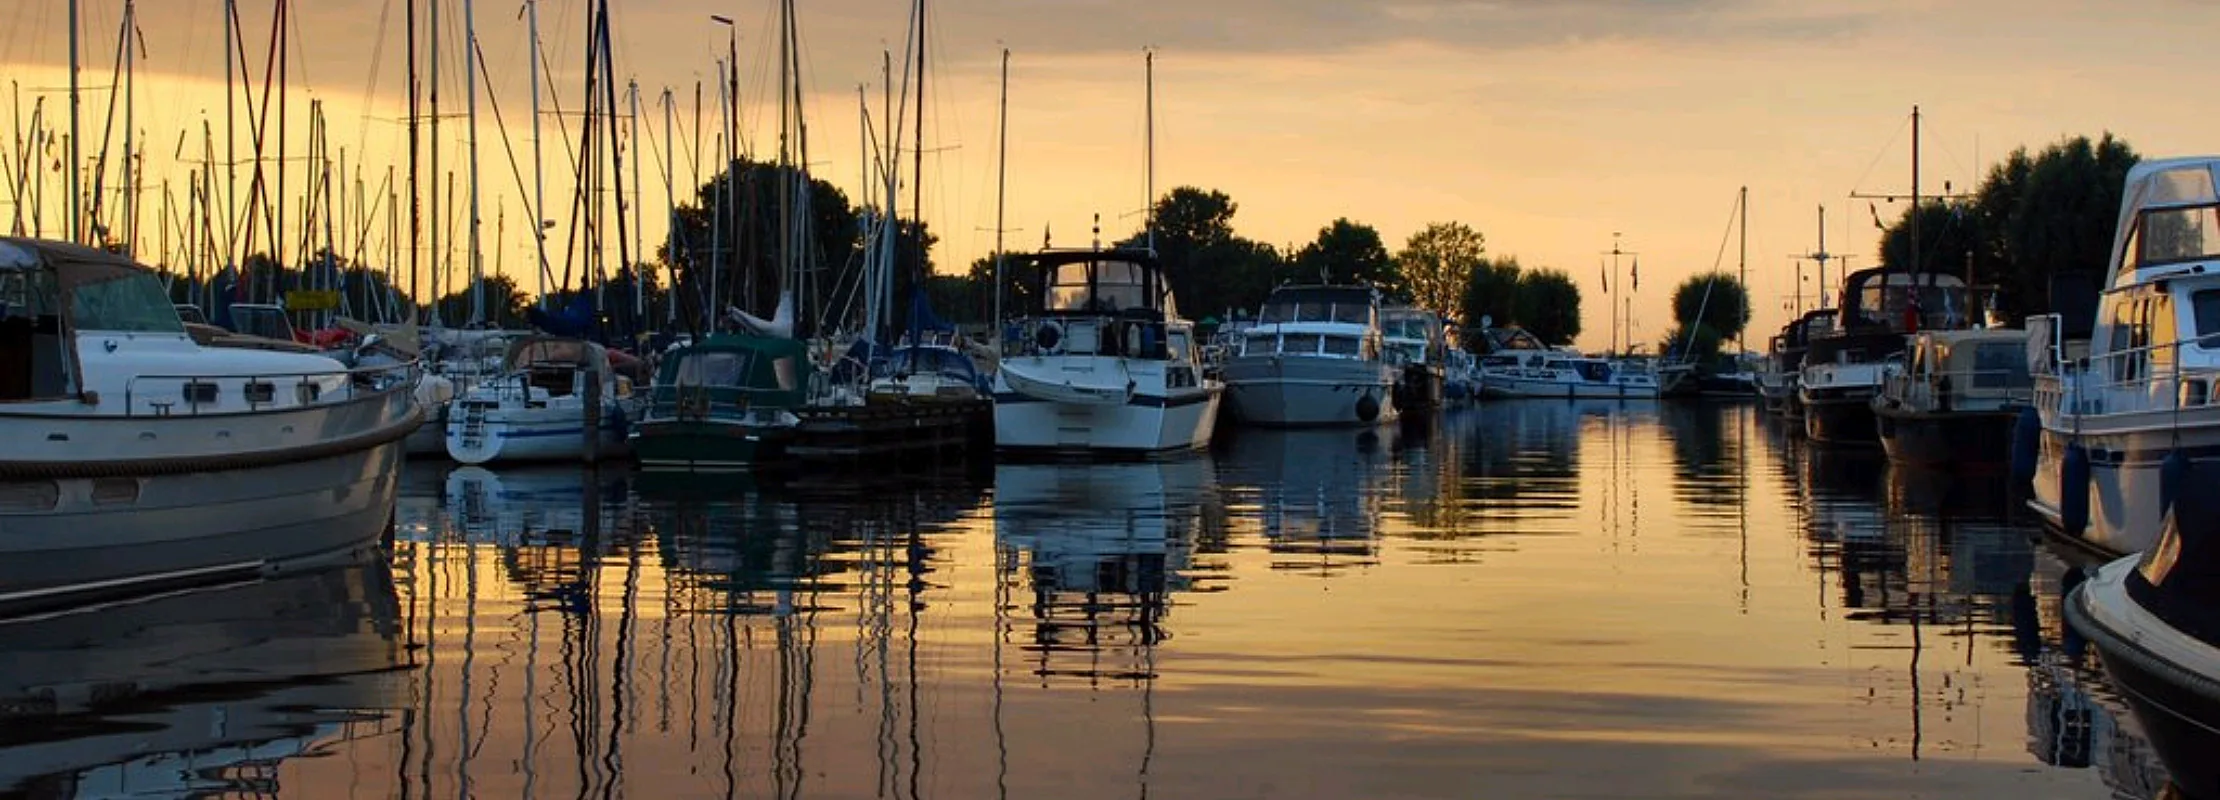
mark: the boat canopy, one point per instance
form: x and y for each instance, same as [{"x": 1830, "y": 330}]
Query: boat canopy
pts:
[
  {"x": 1352, "y": 305},
  {"x": 768, "y": 370},
  {"x": 2170, "y": 214},
  {"x": 532, "y": 351},
  {"x": 1119, "y": 282},
  {"x": 62, "y": 286},
  {"x": 1884, "y": 298}
]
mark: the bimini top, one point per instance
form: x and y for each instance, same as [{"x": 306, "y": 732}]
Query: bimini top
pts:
[
  {"x": 2169, "y": 215},
  {"x": 1116, "y": 282}
]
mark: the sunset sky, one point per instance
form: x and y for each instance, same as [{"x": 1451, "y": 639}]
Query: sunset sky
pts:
[{"x": 1546, "y": 125}]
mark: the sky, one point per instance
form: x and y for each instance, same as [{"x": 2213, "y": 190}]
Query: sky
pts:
[{"x": 1555, "y": 127}]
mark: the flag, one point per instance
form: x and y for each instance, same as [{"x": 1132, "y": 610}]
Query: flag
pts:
[
  {"x": 1876, "y": 210},
  {"x": 1636, "y": 274},
  {"x": 1603, "y": 275}
]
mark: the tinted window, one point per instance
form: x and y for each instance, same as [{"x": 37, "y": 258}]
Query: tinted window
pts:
[
  {"x": 2207, "y": 307},
  {"x": 134, "y": 303},
  {"x": 2000, "y": 365}
]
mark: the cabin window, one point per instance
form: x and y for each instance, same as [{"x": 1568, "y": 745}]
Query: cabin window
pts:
[
  {"x": 716, "y": 370},
  {"x": 2159, "y": 327},
  {"x": 1099, "y": 287},
  {"x": 1300, "y": 344},
  {"x": 133, "y": 303},
  {"x": 786, "y": 372},
  {"x": 2000, "y": 365},
  {"x": 1276, "y": 313},
  {"x": 1352, "y": 314},
  {"x": 2174, "y": 235},
  {"x": 2206, "y": 306},
  {"x": 1262, "y": 344},
  {"x": 1344, "y": 346},
  {"x": 1182, "y": 346},
  {"x": 258, "y": 393}
]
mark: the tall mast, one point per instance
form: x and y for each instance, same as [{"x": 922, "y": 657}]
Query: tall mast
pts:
[
  {"x": 76, "y": 224},
  {"x": 416, "y": 209},
  {"x": 670, "y": 204},
  {"x": 786, "y": 124},
  {"x": 1002, "y": 188},
  {"x": 1149, "y": 220},
  {"x": 439, "y": 257},
  {"x": 539, "y": 172},
  {"x": 1742, "y": 257},
  {"x": 470, "y": 93},
  {"x": 1914, "y": 263},
  {"x": 231, "y": 125},
  {"x": 917, "y": 158},
  {"x": 130, "y": 153},
  {"x": 639, "y": 245}
]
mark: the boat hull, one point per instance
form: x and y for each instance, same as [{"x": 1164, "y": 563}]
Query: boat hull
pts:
[
  {"x": 1840, "y": 420},
  {"x": 131, "y": 534},
  {"x": 1143, "y": 426},
  {"x": 2169, "y": 678},
  {"x": 1304, "y": 392},
  {"x": 511, "y": 435},
  {"x": 708, "y": 445},
  {"x": 2126, "y": 453},
  {"x": 1509, "y": 385},
  {"x": 1968, "y": 439}
]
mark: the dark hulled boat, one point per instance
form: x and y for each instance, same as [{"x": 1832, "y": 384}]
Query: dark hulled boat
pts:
[
  {"x": 1845, "y": 366},
  {"x": 2156, "y": 619},
  {"x": 1957, "y": 400}
]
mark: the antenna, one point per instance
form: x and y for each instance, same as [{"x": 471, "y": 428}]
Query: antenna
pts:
[{"x": 1149, "y": 223}]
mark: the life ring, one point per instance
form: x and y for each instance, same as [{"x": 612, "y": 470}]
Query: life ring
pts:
[{"x": 1049, "y": 337}]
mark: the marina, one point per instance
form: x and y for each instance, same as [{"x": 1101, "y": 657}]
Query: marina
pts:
[{"x": 603, "y": 435}]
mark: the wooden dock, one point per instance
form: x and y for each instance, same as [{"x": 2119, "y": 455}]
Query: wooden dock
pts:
[{"x": 935, "y": 429}]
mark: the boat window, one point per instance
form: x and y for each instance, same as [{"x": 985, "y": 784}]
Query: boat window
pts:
[
  {"x": 1259, "y": 343},
  {"x": 130, "y": 303},
  {"x": 716, "y": 369},
  {"x": 2171, "y": 235},
  {"x": 1353, "y": 314},
  {"x": 2158, "y": 320},
  {"x": 1558, "y": 365},
  {"x": 783, "y": 369},
  {"x": 1276, "y": 312},
  {"x": 1181, "y": 345},
  {"x": 32, "y": 356},
  {"x": 2000, "y": 365},
  {"x": 2206, "y": 305},
  {"x": 1117, "y": 285},
  {"x": 1344, "y": 346},
  {"x": 1300, "y": 344},
  {"x": 1314, "y": 311}
]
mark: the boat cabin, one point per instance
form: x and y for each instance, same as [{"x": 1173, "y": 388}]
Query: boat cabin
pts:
[
  {"x": 1331, "y": 321},
  {"x": 1970, "y": 370},
  {"x": 1414, "y": 335},
  {"x": 559, "y": 367},
  {"x": 2161, "y": 314},
  {"x": 1102, "y": 303},
  {"x": 731, "y": 372}
]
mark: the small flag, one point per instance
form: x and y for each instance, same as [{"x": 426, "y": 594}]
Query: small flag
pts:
[
  {"x": 1636, "y": 273},
  {"x": 1876, "y": 210},
  {"x": 1603, "y": 275}
]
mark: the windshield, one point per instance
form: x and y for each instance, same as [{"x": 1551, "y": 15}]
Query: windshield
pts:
[
  {"x": 2172, "y": 235},
  {"x": 1116, "y": 286},
  {"x": 131, "y": 303}
]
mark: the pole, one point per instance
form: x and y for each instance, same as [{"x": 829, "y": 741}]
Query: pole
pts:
[
  {"x": 1002, "y": 188},
  {"x": 130, "y": 96},
  {"x": 670, "y": 205},
  {"x": 416, "y": 208},
  {"x": 439, "y": 256},
  {"x": 76, "y": 225},
  {"x": 1149, "y": 115},
  {"x": 639, "y": 244},
  {"x": 470, "y": 93},
  {"x": 539, "y": 172},
  {"x": 1742, "y": 261}
]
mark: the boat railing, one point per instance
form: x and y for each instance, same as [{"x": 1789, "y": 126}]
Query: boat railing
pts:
[
  {"x": 702, "y": 401},
  {"x": 189, "y": 395},
  {"x": 1964, "y": 389},
  {"x": 2135, "y": 380}
]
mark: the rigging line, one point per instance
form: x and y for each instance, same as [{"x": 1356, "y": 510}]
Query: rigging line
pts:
[
  {"x": 1877, "y": 156},
  {"x": 508, "y": 147},
  {"x": 377, "y": 67}
]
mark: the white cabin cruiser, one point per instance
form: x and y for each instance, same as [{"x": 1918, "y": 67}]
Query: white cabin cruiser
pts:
[
  {"x": 1317, "y": 356},
  {"x": 1105, "y": 366},
  {"x": 538, "y": 408},
  {"x": 137, "y": 460},
  {"x": 1566, "y": 374},
  {"x": 2140, "y": 407}
]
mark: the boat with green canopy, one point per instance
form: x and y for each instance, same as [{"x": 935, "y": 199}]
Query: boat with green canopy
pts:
[{"x": 724, "y": 403}]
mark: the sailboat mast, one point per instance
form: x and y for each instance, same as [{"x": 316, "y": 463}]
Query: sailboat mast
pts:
[
  {"x": 1149, "y": 113},
  {"x": 1742, "y": 258},
  {"x": 470, "y": 94},
  {"x": 76, "y": 224},
  {"x": 439, "y": 257},
  {"x": 917, "y": 156},
  {"x": 1002, "y": 187},
  {"x": 416, "y": 209},
  {"x": 1914, "y": 263},
  {"x": 639, "y": 245},
  {"x": 670, "y": 205},
  {"x": 539, "y": 170},
  {"x": 786, "y": 164}
]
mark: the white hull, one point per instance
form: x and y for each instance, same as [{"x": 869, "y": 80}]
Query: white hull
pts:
[
  {"x": 117, "y": 535},
  {"x": 1508, "y": 385},
  {"x": 2126, "y": 451},
  {"x": 1156, "y": 419},
  {"x": 477, "y": 435},
  {"x": 1289, "y": 391}
]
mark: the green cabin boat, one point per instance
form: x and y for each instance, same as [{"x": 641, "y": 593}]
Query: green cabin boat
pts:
[{"x": 726, "y": 403}]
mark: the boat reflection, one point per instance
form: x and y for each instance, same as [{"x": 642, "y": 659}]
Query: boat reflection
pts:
[
  {"x": 2075, "y": 718},
  {"x": 1318, "y": 494},
  {"x": 200, "y": 692}
]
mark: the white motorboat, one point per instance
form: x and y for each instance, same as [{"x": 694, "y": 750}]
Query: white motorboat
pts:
[
  {"x": 1565, "y": 374},
  {"x": 138, "y": 460},
  {"x": 538, "y": 408},
  {"x": 1105, "y": 365},
  {"x": 2111, "y": 427},
  {"x": 1317, "y": 356}
]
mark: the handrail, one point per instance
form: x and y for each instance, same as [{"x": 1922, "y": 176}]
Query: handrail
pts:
[{"x": 377, "y": 380}]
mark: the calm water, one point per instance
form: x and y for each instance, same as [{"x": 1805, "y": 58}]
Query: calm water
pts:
[{"x": 1532, "y": 599}]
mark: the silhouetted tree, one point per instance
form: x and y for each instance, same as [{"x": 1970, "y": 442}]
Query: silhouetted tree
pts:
[
  {"x": 1437, "y": 264},
  {"x": 1547, "y": 304}
]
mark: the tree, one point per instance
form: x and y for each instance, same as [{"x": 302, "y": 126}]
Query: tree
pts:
[
  {"x": 745, "y": 259},
  {"x": 1438, "y": 262},
  {"x": 1715, "y": 300},
  {"x": 1209, "y": 268},
  {"x": 1951, "y": 233},
  {"x": 1547, "y": 304},
  {"x": 1350, "y": 252},
  {"x": 1488, "y": 296}
]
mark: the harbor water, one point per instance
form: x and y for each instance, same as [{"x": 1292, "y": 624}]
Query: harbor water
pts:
[{"x": 1586, "y": 599}]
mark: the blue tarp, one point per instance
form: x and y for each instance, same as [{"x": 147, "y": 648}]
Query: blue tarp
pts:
[{"x": 575, "y": 320}]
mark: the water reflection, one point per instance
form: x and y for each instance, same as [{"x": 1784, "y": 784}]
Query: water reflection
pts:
[
  {"x": 197, "y": 692},
  {"x": 1490, "y": 605}
]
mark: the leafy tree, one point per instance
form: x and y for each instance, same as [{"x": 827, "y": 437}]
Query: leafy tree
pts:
[
  {"x": 1950, "y": 233},
  {"x": 1351, "y": 252},
  {"x": 745, "y": 258},
  {"x": 1716, "y": 300},
  {"x": 1488, "y": 296},
  {"x": 1438, "y": 263},
  {"x": 1547, "y": 304},
  {"x": 1210, "y": 269}
]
